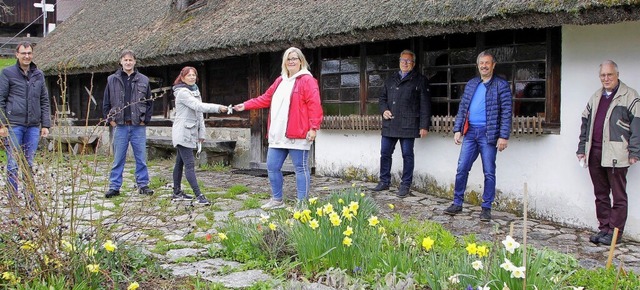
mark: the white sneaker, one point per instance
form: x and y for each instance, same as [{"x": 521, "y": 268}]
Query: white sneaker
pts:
[{"x": 273, "y": 204}]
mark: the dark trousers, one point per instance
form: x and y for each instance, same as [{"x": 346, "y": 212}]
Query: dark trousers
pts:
[
  {"x": 184, "y": 158},
  {"x": 608, "y": 180},
  {"x": 388, "y": 145}
]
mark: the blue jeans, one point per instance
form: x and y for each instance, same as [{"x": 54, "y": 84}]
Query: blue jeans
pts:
[
  {"x": 474, "y": 143},
  {"x": 387, "y": 146},
  {"x": 122, "y": 136},
  {"x": 300, "y": 159},
  {"x": 22, "y": 145}
]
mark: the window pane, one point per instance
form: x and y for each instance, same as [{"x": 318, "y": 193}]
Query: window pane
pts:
[
  {"x": 453, "y": 108},
  {"x": 528, "y": 108},
  {"x": 350, "y": 80},
  {"x": 457, "y": 91},
  {"x": 437, "y": 77},
  {"x": 350, "y": 65},
  {"x": 382, "y": 62},
  {"x": 372, "y": 109},
  {"x": 330, "y": 109},
  {"x": 462, "y": 75},
  {"x": 350, "y": 95},
  {"x": 349, "y": 109},
  {"x": 439, "y": 109},
  {"x": 531, "y": 52},
  {"x": 504, "y": 71},
  {"x": 331, "y": 94},
  {"x": 374, "y": 93},
  {"x": 439, "y": 91},
  {"x": 330, "y": 81},
  {"x": 436, "y": 58},
  {"x": 503, "y": 54},
  {"x": 529, "y": 90},
  {"x": 463, "y": 56},
  {"x": 531, "y": 71},
  {"x": 531, "y": 35},
  {"x": 330, "y": 66},
  {"x": 462, "y": 40},
  {"x": 376, "y": 80}
]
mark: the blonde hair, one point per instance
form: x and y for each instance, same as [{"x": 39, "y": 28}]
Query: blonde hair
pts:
[{"x": 303, "y": 61}]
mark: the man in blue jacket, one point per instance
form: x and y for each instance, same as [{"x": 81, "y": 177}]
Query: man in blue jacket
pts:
[
  {"x": 25, "y": 114},
  {"x": 485, "y": 109},
  {"x": 127, "y": 107},
  {"x": 406, "y": 108}
]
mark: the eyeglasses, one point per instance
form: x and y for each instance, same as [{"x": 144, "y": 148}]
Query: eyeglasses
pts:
[
  {"x": 407, "y": 61},
  {"x": 608, "y": 75},
  {"x": 293, "y": 59},
  {"x": 25, "y": 53}
]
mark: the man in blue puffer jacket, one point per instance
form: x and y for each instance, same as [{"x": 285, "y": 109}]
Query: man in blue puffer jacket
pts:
[
  {"x": 484, "y": 118},
  {"x": 25, "y": 114}
]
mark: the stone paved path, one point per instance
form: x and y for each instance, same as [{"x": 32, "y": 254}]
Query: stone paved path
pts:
[{"x": 146, "y": 221}]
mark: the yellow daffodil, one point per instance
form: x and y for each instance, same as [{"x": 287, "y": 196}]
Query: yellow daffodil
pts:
[
  {"x": 373, "y": 221},
  {"x": 472, "y": 249},
  {"x": 347, "y": 241},
  {"x": 313, "y": 200},
  {"x": 354, "y": 206},
  {"x": 335, "y": 221},
  {"x": 297, "y": 215},
  {"x": 353, "y": 184},
  {"x": 272, "y": 226},
  {"x": 264, "y": 218},
  {"x": 222, "y": 236},
  {"x": 482, "y": 251},
  {"x": 314, "y": 224},
  {"x": 427, "y": 243},
  {"x": 319, "y": 211},
  {"x": 8, "y": 276},
  {"x": 518, "y": 272},
  {"x": 133, "y": 286},
  {"x": 341, "y": 201},
  {"x": 477, "y": 265},
  {"x": 93, "y": 268},
  {"x": 391, "y": 206},
  {"x": 306, "y": 215},
  {"x": 67, "y": 247},
  {"x": 28, "y": 246},
  {"x": 510, "y": 244},
  {"x": 328, "y": 208},
  {"x": 109, "y": 246},
  {"x": 348, "y": 231}
]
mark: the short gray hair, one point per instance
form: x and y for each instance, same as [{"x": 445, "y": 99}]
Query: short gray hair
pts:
[
  {"x": 486, "y": 53},
  {"x": 409, "y": 52},
  {"x": 608, "y": 62}
]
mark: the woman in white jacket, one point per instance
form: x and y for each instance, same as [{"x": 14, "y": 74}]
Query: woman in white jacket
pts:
[{"x": 188, "y": 129}]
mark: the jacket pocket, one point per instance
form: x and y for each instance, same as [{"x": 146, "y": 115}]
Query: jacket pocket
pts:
[
  {"x": 409, "y": 122},
  {"x": 191, "y": 132}
]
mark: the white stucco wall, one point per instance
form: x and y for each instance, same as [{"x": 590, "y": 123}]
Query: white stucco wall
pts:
[{"x": 558, "y": 188}]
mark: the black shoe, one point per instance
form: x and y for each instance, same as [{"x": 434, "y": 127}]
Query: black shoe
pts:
[
  {"x": 485, "y": 215},
  {"x": 145, "y": 190},
  {"x": 608, "y": 238},
  {"x": 403, "y": 192},
  {"x": 594, "y": 238},
  {"x": 180, "y": 195},
  {"x": 380, "y": 187},
  {"x": 201, "y": 199},
  {"x": 453, "y": 209},
  {"x": 112, "y": 193}
]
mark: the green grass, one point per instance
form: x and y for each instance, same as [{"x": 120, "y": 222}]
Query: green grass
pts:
[{"x": 5, "y": 62}]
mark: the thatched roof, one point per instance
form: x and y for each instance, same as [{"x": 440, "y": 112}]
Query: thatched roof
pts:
[{"x": 91, "y": 39}]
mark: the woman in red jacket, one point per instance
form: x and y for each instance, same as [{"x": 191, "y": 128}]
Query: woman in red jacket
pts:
[{"x": 295, "y": 114}]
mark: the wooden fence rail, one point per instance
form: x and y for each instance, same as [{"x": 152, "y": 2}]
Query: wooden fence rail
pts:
[{"x": 441, "y": 124}]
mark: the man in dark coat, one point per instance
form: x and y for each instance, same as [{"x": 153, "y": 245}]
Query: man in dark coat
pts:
[
  {"x": 25, "y": 114},
  {"x": 405, "y": 107}
]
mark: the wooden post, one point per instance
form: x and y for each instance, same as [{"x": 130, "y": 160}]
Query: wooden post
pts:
[
  {"x": 524, "y": 237},
  {"x": 612, "y": 247}
]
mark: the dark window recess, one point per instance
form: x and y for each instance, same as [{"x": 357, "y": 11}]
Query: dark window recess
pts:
[
  {"x": 352, "y": 77},
  {"x": 184, "y": 5}
]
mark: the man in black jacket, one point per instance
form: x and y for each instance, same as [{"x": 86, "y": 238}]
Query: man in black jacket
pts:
[
  {"x": 406, "y": 108},
  {"x": 25, "y": 114},
  {"x": 127, "y": 107}
]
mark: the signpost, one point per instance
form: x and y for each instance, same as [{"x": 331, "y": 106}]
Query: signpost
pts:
[{"x": 45, "y": 8}]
